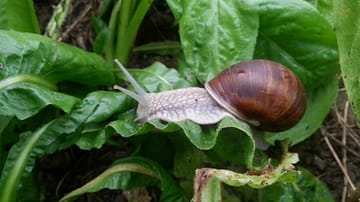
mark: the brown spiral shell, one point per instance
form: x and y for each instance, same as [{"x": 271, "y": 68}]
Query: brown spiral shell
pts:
[{"x": 262, "y": 92}]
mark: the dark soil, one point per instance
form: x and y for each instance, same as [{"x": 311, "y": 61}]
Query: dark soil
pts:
[
  {"x": 315, "y": 153},
  {"x": 65, "y": 171}
]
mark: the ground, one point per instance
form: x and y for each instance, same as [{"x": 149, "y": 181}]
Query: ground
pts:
[{"x": 339, "y": 131}]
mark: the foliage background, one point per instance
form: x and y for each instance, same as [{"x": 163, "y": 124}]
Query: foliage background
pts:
[{"x": 79, "y": 87}]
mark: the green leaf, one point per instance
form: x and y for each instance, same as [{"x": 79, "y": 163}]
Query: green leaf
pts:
[
  {"x": 215, "y": 34},
  {"x": 103, "y": 35},
  {"x": 348, "y": 38},
  {"x": 129, "y": 25},
  {"x": 307, "y": 188},
  {"x": 24, "y": 99},
  {"x": 125, "y": 20},
  {"x": 325, "y": 7},
  {"x": 93, "y": 138},
  {"x": 126, "y": 173},
  {"x": 187, "y": 159},
  {"x": 233, "y": 147},
  {"x": 4, "y": 121},
  {"x": 156, "y": 146},
  {"x": 176, "y": 7},
  {"x": 201, "y": 137},
  {"x": 18, "y": 15},
  {"x": 31, "y": 54},
  {"x": 236, "y": 139},
  {"x": 303, "y": 40},
  {"x": 160, "y": 48},
  {"x": 207, "y": 180},
  {"x": 97, "y": 107},
  {"x": 5, "y": 138},
  {"x": 158, "y": 77}
]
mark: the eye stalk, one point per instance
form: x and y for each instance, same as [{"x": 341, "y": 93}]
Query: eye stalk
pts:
[{"x": 140, "y": 96}]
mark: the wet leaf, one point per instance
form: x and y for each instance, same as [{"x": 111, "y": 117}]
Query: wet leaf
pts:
[
  {"x": 348, "y": 36},
  {"x": 31, "y": 54},
  {"x": 18, "y": 15}
]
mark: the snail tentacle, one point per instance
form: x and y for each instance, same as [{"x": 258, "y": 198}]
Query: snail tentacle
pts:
[{"x": 140, "y": 96}]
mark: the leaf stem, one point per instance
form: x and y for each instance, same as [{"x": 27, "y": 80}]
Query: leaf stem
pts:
[
  {"x": 123, "y": 20},
  {"x": 26, "y": 78},
  {"x": 130, "y": 167}
]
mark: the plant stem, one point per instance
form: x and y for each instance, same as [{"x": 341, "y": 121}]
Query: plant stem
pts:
[
  {"x": 129, "y": 30},
  {"x": 110, "y": 51},
  {"x": 123, "y": 20},
  {"x": 57, "y": 19},
  {"x": 26, "y": 78}
]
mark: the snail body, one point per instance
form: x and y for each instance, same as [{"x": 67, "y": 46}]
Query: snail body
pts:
[
  {"x": 263, "y": 93},
  {"x": 193, "y": 104}
]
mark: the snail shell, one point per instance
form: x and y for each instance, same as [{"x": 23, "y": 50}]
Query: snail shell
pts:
[{"x": 262, "y": 92}]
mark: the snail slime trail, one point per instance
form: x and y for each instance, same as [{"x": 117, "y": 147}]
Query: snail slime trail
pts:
[{"x": 263, "y": 93}]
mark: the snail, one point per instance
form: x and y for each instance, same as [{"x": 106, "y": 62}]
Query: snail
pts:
[{"x": 263, "y": 93}]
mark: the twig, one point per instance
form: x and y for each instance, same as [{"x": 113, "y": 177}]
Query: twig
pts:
[
  {"x": 344, "y": 146},
  {"x": 337, "y": 158},
  {"x": 344, "y": 157},
  {"x": 65, "y": 34},
  {"x": 345, "y": 124}
]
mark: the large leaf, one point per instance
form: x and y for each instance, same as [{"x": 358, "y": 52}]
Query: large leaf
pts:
[
  {"x": 215, "y": 34},
  {"x": 158, "y": 77},
  {"x": 24, "y": 53},
  {"x": 24, "y": 99},
  {"x": 294, "y": 33},
  {"x": 325, "y": 7},
  {"x": 126, "y": 173},
  {"x": 18, "y": 15},
  {"x": 348, "y": 35},
  {"x": 31, "y": 65}
]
